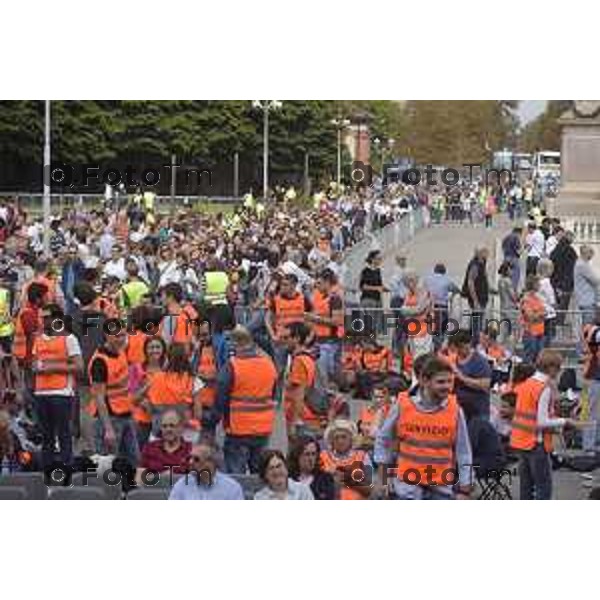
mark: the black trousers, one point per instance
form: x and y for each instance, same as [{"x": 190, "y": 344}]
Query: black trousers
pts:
[{"x": 55, "y": 416}]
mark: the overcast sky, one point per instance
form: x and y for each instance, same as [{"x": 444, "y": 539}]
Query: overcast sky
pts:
[{"x": 530, "y": 109}]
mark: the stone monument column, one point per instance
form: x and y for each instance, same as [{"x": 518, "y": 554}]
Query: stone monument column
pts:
[{"x": 580, "y": 161}]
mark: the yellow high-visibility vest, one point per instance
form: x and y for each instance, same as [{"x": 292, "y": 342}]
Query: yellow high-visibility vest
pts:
[
  {"x": 217, "y": 283},
  {"x": 7, "y": 326}
]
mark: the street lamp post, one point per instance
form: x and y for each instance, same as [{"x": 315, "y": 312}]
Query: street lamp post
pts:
[
  {"x": 340, "y": 124},
  {"x": 266, "y": 106},
  {"x": 379, "y": 147},
  {"x": 46, "y": 176}
]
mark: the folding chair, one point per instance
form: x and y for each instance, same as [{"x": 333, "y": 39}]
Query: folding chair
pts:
[
  {"x": 13, "y": 492},
  {"x": 161, "y": 493},
  {"x": 33, "y": 483},
  {"x": 250, "y": 484},
  {"x": 88, "y": 481},
  {"x": 77, "y": 493}
]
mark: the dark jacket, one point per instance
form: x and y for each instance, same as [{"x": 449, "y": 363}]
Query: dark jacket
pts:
[
  {"x": 563, "y": 258},
  {"x": 481, "y": 283}
]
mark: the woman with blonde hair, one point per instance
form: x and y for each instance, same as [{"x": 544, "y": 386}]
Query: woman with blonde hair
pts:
[{"x": 351, "y": 467}]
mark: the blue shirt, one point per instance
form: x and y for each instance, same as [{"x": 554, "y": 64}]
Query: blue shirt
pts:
[
  {"x": 473, "y": 401},
  {"x": 223, "y": 488},
  {"x": 440, "y": 286}
]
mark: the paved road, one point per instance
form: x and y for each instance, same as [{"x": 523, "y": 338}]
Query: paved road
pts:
[{"x": 451, "y": 244}]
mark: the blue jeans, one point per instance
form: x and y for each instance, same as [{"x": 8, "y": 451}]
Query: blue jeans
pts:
[
  {"x": 476, "y": 325},
  {"x": 242, "y": 453},
  {"x": 329, "y": 358},
  {"x": 515, "y": 273},
  {"x": 535, "y": 474},
  {"x": 55, "y": 415},
  {"x": 126, "y": 439},
  {"x": 532, "y": 346},
  {"x": 280, "y": 357}
]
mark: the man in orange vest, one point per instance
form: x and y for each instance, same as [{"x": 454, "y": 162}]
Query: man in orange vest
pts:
[
  {"x": 28, "y": 323},
  {"x": 328, "y": 322},
  {"x": 299, "y": 416},
  {"x": 427, "y": 433},
  {"x": 111, "y": 403},
  {"x": 533, "y": 425},
  {"x": 245, "y": 400},
  {"x": 178, "y": 324},
  {"x": 286, "y": 307},
  {"x": 42, "y": 276},
  {"x": 56, "y": 361},
  {"x": 207, "y": 362},
  {"x": 533, "y": 314}
]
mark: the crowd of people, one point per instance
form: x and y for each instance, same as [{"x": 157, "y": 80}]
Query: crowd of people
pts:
[{"x": 174, "y": 341}]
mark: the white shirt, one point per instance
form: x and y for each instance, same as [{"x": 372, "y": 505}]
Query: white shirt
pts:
[
  {"x": 546, "y": 293},
  {"x": 106, "y": 244},
  {"x": 116, "y": 268},
  {"x": 536, "y": 243},
  {"x": 544, "y": 420},
  {"x": 295, "y": 491},
  {"x": 73, "y": 349},
  {"x": 169, "y": 273},
  {"x": 551, "y": 243}
]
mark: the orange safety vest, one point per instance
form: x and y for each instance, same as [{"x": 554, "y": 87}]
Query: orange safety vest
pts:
[
  {"x": 135, "y": 347},
  {"x": 308, "y": 416},
  {"x": 368, "y": 414},
  {"x": 531, "y": 307},
  {"x": 167, "y": 388},
  {"x": 412, "y": 329},
  {"x": 207, "y": 370},
  {"x": 376, "y": 361},
  {"x": 322, "y": 308},
  {"x": 141, "y": 415},
  {"x": 184, "y": 329},
  {"x": 330, "y": 464},
  {"x": 288, "y": 310},
  {"x": 351, "y": 357},
  {"x": 251, "y": 405},
  {"x": 118, "y": 400},
  {"x": 426, "y": 439},
  {"x": 52, "y": 352},
  {"x": 524, "y": 434}
]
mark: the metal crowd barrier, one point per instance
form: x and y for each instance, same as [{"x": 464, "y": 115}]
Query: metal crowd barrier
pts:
[
  {"x": 34, "y": 202},
  {"x": 393, "y": 235}
]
